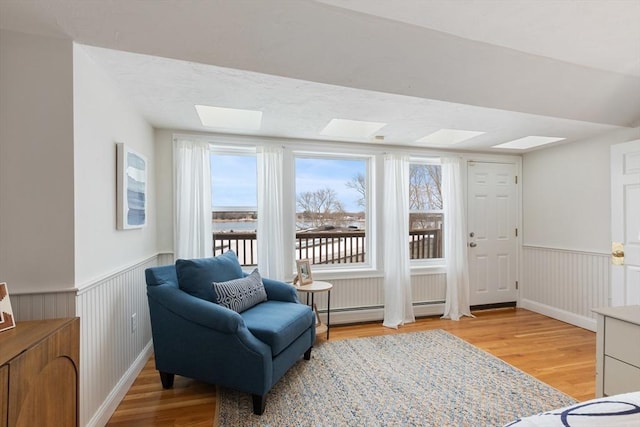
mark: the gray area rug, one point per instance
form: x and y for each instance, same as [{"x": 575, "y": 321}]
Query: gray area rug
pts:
[{"x": 429, "y": 378}]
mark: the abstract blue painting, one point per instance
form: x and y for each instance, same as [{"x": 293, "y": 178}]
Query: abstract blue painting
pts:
[{"x": 132, "y": 188}]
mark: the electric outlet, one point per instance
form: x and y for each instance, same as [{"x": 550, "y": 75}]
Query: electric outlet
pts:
[{"x": 134, "y": 322}]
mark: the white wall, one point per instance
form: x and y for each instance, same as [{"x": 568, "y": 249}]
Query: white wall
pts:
[
  {"x": 110, "y": 263},
  {"x": 36, "y": 163},
  {"x": 60, "y": 252},
  {"x": 567, "y": 228},
  {"x": 102, "y": 117},
  {"x": 567, "y": 194},
  {"x": 164, "y": 196}
]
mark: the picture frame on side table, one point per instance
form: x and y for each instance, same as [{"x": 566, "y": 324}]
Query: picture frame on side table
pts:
[
  {"x": 304, "y": 272},
  {"x": 131, "y": 181},
  {"x": 7, "y": 321}
]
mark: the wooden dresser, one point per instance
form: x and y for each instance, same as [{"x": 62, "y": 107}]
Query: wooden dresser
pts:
[
  {"x": 618, "y": 350},
  {"x": 39, "y": 373}
]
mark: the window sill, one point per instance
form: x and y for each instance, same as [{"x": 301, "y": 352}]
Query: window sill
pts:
[
  {"x": 350, "y": 273},
  {"x": 423, "y": 270},
  {"x": 369, "y": 273}
]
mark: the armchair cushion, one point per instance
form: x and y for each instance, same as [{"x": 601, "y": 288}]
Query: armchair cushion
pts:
[
  {"x": 195, "y": 276},
  {"x": 241, "y": 294},
  {"x": 278, "y": 323}
]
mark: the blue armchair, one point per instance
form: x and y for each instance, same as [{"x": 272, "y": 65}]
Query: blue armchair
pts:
[{"x": 195, "y": 337}]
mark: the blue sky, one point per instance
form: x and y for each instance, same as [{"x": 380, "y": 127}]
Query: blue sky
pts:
[{"x": 233, "y": 179}]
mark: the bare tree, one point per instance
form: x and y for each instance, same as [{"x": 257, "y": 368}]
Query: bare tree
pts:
[
  {"x": 320, "y": 206},
  {"x": 425, "y": 193},
  {"x": 358, "y": 183},
  {"x": 425, "y": 187}
]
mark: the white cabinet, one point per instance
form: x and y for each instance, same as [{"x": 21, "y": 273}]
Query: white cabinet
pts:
[{"x": 618, "y": 350}]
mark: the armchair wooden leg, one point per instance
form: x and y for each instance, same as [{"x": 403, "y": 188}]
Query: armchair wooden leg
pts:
[
  {"x": 259, "y": 402},
  {"x": 167, "y": 379},
  {"x": 307, "y": 354}
]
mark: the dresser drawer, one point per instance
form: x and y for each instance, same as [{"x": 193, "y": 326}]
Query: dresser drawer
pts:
[
  {"x": 620, "y": 377},
  {"x": 622, "y": 341}
]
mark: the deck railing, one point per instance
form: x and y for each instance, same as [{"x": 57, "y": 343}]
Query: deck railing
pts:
[
  {"x": 243, "y": 243},
  {"x": 425, "y": 243},
  {"x": 326, "y": 247},
  {"x": 331, "y": 247}
]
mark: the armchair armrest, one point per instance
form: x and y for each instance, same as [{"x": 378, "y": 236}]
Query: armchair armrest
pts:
[
  {"x": 280, "y": 291},
  {"x": 196, "y": 310}
]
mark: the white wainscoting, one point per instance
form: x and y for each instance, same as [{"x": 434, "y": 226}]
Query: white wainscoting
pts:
[
  {"x": 362, "y": 299},
  {"x": 565, "y": 284},
  {"x": 39, "y": 306},
  {"x": 165, "y": 258},
  {"x": 111, "y": 352}
]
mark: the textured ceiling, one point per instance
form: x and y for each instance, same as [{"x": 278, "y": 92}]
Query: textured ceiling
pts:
[{"x": 510, "y": 69}]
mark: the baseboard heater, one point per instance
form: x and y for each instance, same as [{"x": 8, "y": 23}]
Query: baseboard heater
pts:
[
  {"x": 378, "y": 307},
  {"x": 374, "y": 313}
]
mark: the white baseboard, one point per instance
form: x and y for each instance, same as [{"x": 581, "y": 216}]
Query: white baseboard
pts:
[
  {"x": 110, "y": 404},
  {"x": 556, "y": 313}
]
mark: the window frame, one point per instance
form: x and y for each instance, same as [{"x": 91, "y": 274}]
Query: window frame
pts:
[{"x": 368, "y": 267}]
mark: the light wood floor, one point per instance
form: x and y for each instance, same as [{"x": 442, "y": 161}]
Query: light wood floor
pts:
[{"x": 556, "y": 353}]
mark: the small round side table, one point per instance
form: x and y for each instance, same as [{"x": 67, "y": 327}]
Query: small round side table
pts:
[{"x": 313, "y": 288}]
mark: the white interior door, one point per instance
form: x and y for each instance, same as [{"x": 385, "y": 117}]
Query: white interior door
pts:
[
  {"x": 492, "y": 215},
  {"x": 625, "y": 223}
]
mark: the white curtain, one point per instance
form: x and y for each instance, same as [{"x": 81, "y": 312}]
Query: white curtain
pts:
[
  {"x": 193, "y": 238},
  {"x": 398, "y": 308},
  {"x": 455, "y": 240},
  {"x": 270, "y": 217}
]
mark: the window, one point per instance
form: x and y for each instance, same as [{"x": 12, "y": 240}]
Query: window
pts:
[
  {"x": 425, "y": 210},
  {"x": 331, "y": 209},
  {"x": 234, "y": 203}
]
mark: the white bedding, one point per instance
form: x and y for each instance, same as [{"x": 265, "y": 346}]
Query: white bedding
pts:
[{"x": 622, "y": 410}]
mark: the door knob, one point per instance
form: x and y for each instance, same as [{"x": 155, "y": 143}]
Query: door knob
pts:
[
  {"x": 617, "y": 253},
  {"x": 473, "y": 244}
]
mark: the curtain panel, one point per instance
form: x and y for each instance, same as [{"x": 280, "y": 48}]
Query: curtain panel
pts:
[
  {"x": 455, "y": 240},
  {"x": 270, "y": 215},
  {"x": 193, "y": 234},
  {"x": 398, "y": 308}
]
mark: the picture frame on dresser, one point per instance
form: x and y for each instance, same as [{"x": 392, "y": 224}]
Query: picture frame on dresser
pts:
[{"x": 7, "y": 320}]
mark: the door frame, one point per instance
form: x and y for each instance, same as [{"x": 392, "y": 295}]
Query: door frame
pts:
[{"x": 516, "y": 160}]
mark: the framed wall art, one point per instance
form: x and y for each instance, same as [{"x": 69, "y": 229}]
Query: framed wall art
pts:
[
  {"x": 132, "y": 202},
  {"x": 7, "y": 320}
]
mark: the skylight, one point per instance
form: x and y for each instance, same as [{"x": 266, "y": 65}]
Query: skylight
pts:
[
  {"x": 449, "y": 136},
  {"x": 528, "y": 142},
  {"x": 229, "y": 118},
  {"x": 343, "y": 128}
]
